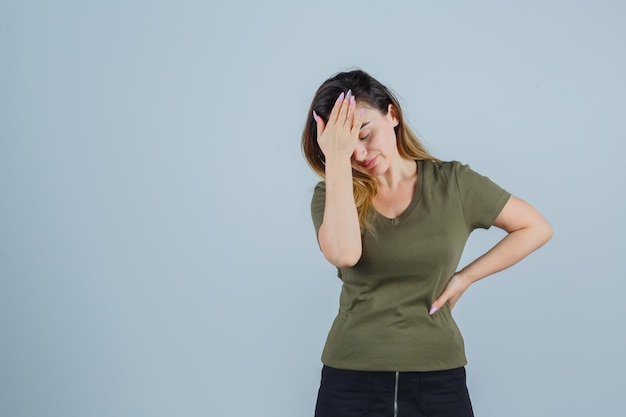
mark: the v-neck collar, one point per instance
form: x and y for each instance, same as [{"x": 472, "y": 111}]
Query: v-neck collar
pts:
[{"x": 416, "y": 197}]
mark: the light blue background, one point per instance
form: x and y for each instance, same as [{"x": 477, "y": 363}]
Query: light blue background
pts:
[{"x": 157, "y": 256}]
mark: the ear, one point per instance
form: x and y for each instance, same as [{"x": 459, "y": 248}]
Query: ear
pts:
[{"x": 393, "y": 113}]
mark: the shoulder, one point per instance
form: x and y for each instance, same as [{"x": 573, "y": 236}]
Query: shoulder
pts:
[
  {"x": 318, "y": 200},
  {"x": 320, "y": 189},
  {"x": 443, "y": 170},
  {"x": 448, "y": 168}
]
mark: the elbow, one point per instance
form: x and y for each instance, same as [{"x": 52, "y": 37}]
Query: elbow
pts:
[
  {"x": 345, "y": 262},
  {"x": 544, "y": 232},
  {"x": 344, "y": 258},
  {"x": 548, "y": 232},
  {"x": 343, "y": 250}
]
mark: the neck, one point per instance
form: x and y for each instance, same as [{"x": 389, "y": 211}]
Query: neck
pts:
[{"x": 400, "y": 171}]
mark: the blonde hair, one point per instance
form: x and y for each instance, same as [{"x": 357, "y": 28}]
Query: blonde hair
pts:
[{"x": 373, "y": 94}]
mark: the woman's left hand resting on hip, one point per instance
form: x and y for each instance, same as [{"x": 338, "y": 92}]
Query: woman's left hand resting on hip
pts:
[{"x": 527, "y": 230}]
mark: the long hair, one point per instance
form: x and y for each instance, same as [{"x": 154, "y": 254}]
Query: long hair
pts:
[{"x": 373, "y": 94}]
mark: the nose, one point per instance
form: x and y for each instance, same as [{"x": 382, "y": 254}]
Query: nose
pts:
[{"x": 359, "y": 153}]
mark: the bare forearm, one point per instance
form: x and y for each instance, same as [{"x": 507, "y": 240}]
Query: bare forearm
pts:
[
  {"x": 340, "y": 233},
  {"x": 514, "y": 247}
]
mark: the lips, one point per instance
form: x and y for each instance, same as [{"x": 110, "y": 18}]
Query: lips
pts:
[{"x": 370, "y": 163}]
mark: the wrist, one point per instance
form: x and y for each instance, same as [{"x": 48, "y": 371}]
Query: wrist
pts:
[
  {"x": 338, "y": 160},
  {"x": 465, "y": 277},
  {"x": 338, "y": 166}
]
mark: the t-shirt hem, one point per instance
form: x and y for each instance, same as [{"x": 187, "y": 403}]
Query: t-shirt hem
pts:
[{"x": 416, "y": 368}]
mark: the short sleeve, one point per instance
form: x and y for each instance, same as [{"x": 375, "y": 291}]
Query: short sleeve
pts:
[
  {"x": 318, "y": 203},
  {"x": 482, "y": 199}
]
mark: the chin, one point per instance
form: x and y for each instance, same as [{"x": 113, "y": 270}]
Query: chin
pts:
[
  {"x": 377, "y": 170},
  {"x": 374, "y": 171}
]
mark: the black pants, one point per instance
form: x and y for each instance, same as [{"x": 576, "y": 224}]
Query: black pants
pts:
[{"x": 393, "y": 394}]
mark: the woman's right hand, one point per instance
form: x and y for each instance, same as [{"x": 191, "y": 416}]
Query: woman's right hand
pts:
[
  {"x": 339, "y": 235},
  {"x": 339, "y": 137}
]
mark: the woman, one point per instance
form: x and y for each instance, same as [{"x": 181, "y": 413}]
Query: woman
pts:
[{"x": 394, "y": 220}]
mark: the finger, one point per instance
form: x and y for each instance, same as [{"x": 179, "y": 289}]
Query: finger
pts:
[
  {"x": 358, "y": 120},
  {"x": 351, "y": 111},
  {"x": 438, "y": 303},
  {"x": 433, "y": 309},
  {"x": 334, "y": 113},
  {"x": 343, "y": 110},
  {"x": 319, "y": 123}
]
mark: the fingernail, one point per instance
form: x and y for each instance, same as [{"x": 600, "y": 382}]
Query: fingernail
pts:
[
  {"x": 340, "y": 97},
  {"x": 315, "y": 116},
  {"x": 349, "y": 94},
  {"x": 433, "y": 310}
]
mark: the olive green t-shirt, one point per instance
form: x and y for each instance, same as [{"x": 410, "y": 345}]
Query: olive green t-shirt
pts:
[{"x": 383, "y": 322}]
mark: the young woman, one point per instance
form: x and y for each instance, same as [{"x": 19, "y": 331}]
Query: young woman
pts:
[{"x": 394, "y": 220}]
